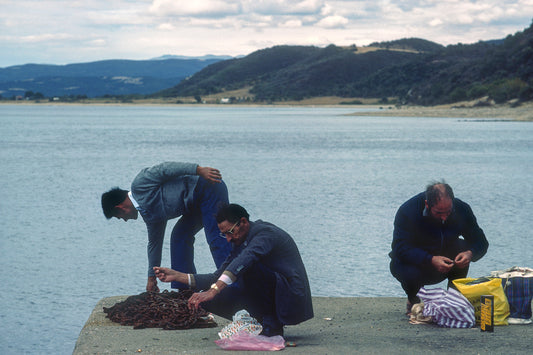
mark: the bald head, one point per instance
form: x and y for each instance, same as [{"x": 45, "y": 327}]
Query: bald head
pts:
[{"x": 437, "y": 192}]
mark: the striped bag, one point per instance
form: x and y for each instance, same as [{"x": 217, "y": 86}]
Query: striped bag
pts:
[{"x": 447, "y": 308}]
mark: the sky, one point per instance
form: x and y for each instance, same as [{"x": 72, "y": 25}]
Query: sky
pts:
[{"x": 72, "y": 31}]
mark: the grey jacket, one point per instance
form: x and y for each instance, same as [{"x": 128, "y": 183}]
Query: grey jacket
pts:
[{"x": 163, "y": 192}]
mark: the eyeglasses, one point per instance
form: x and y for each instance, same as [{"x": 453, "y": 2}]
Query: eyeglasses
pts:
[{"x": 223, "y": 235}]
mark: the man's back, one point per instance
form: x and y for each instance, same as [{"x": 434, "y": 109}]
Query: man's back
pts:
[{"x": 165, "y": 191}]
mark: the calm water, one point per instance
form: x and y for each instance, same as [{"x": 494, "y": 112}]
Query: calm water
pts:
[{"x": 331, "y": 180}]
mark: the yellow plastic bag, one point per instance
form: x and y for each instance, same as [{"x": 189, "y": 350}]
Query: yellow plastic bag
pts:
[{"x": 473, "y": 289}]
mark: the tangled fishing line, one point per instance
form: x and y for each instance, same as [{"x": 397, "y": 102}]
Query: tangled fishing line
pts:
[{"x": 167, "y": 310}]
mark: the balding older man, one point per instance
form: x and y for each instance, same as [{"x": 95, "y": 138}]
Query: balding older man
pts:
[{"x": 426, "y": 245}]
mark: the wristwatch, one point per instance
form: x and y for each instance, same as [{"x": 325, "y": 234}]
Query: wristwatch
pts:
[{"x": 215, "y": 287}]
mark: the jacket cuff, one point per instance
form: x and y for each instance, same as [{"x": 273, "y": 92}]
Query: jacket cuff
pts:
[{"x": 230, "y": 275}]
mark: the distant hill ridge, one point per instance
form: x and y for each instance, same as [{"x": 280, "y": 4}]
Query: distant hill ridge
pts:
[
  {"x": 407, "y": 71},
  {"x": 204, "y": 57},
  {"x": 410, "y": 70},
  {"x": 106, "y": 77}
]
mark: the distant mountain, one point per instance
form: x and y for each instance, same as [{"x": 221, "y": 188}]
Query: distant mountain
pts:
[
  {"x": 295, "y": 72},
  {"x": 107, "y": 77},
  {"x": 204, "y": 57},
  {"x": 411, "y": 70}
]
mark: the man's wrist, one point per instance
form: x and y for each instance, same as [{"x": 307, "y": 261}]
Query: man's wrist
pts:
[{"x": 215, "y": 288}]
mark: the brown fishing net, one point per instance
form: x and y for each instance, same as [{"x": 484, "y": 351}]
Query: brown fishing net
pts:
[{"x": 167, "y": 310}]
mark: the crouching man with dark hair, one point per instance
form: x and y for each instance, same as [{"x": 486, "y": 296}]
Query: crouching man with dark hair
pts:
[{"x": 272, "y": 281}]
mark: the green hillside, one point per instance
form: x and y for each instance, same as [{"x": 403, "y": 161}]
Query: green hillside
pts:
[{"x": 413, "y": 70}]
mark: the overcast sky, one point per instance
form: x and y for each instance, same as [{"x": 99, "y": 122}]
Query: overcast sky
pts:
[{"x": 72, "y": 31}]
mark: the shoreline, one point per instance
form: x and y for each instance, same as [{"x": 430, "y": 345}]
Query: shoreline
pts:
[
  {"x": 494, "y": 112},
  {"x": 523, "y": 112}
]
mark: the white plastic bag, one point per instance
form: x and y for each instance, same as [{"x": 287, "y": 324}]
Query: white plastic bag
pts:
[{"x": 242, "y": 322}]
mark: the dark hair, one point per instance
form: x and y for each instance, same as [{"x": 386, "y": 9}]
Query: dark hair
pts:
[
  {"x": 231, "y": 213},
  {"x": 111, "y": 199},
  {"x": 436, "y": 191}
]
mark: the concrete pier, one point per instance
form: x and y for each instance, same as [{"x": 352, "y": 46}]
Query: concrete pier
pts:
[{"x": 340, "y": 326}]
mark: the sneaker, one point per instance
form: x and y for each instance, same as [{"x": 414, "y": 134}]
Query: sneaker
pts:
[{"x": 518, "y": 321}]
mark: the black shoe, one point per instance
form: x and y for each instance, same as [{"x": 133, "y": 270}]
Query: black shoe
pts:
[
  {"x": 270, "y": 331},
  {"x": 408, "y": 308}
]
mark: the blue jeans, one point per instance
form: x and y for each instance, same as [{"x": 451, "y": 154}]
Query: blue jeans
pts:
[{"x": 208, "y": 197}]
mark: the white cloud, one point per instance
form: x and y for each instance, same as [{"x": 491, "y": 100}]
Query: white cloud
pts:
[
  {"x": 291, "y": 23},
  {"x": 99, "y": 42},
  {"x": 45, "y": 37},
  {"x": 326, "y": 10},
  {"x": 333, "y": 22},
  {"x": 200, "y": 8},
  {"x": 435, "y": 22},
  {"x": 287, "y": 7},
  {"x": 166, "y": 27}
]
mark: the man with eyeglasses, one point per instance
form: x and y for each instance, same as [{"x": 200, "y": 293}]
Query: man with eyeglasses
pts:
[
  {"x": 272, "y": 282},
  {"x": 426, "y": 244},
  {"x": 166, "y": 191}
]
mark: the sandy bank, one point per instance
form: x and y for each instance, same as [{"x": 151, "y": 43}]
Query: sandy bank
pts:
[
  {"x": 504, "y": 112},
  {"x": 520, "y": 113}
]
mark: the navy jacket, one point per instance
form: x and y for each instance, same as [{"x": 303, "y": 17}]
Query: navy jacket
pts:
[
  {"x": 417, "y": 237},
  {"x": 274, "y": 248}
]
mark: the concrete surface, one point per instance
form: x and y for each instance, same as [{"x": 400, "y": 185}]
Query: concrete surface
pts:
[{"x": 340, "y": 326}]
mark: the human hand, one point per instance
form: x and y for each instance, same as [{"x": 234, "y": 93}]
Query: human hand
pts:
[
  {"x": 165, "y": 274},
  {"x": 210, "y": 174},
  {"x": 197, "y": 298},
  {"x": 151, "y": 285},
  {"x": 442, "y": 263},
  {"x": 463, "y": 259}
]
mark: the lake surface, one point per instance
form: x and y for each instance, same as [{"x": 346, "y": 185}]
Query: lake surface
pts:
[{"x": 332, "y": 180}]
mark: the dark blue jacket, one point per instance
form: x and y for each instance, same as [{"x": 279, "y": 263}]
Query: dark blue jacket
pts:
[
  {"x": 417, "y": 237},
  {"x": 274, "y": 248}
]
